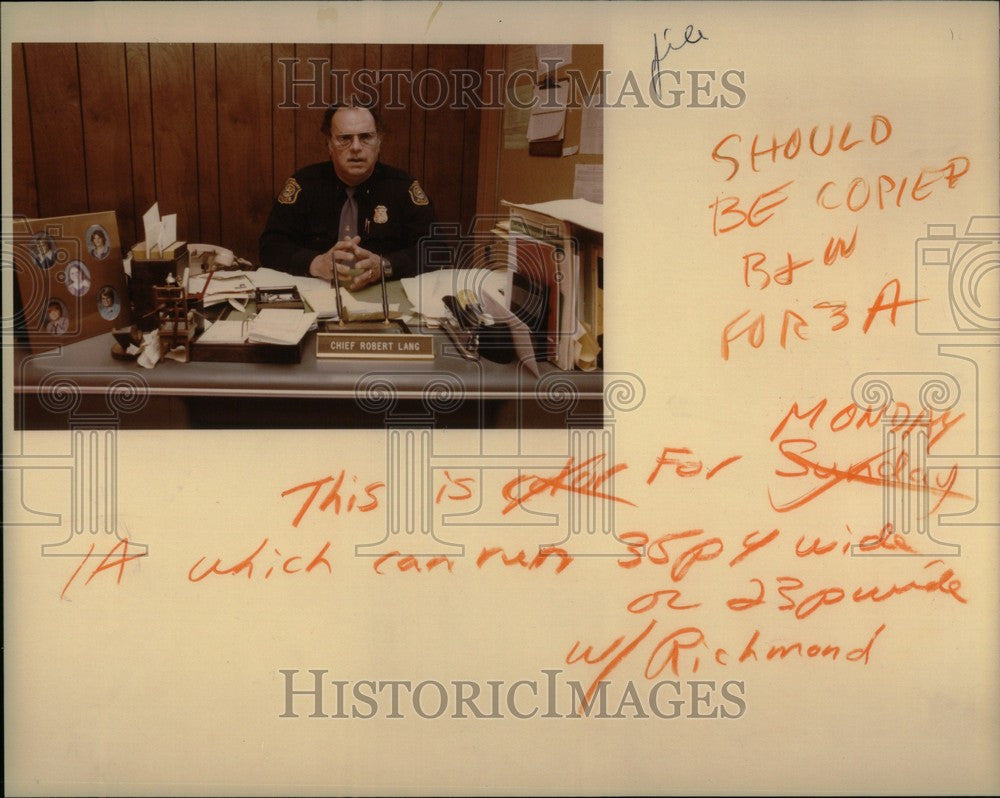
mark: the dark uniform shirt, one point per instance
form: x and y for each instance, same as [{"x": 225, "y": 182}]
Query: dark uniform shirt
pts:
[{"x": 393, "y": 215}]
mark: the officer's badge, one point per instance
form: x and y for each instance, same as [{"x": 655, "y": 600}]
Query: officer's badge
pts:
[
  {"x": 417, "y": 194},
  {"x": 381, "y": 214},
  {"x": 290, "y": 192}
]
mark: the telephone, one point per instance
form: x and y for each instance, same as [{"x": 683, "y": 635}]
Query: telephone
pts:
[{"x": 210, "y": 257}]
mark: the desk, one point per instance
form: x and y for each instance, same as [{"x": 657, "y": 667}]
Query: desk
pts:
[{"x": 81, "y": 384}]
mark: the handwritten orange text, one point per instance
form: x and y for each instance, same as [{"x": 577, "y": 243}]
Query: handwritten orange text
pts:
[
  {"x": 522, "y": 560},
  {"x": 727, "y": 215},
  {"x": 334, "y": 497},
  {"x": 889, "y": 190},
  {"x": 584, "y": 478},
  {"x": 456, "y": 489},
  {"x": 755, "y": 269},
  {"x": 817, "y": 142},
  {"x": 658, "y": 550},
  {"x": 408, "y": 563},
  {"x": 682, "y": 650},
  {"x": 257, "y": 561},
  {"x": 898, "y": 416},
  {"x": 884, "y": 540},
  {"x": 685, "y": 465},
  {"x": 803, "y": 602},
  {"x": 879, "y": 470},
  {"x": 118, "y": 558},
  {"x": 794, "y": 326}
]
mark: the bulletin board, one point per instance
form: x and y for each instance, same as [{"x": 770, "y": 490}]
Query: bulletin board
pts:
[{"x": 518, "y": 176}]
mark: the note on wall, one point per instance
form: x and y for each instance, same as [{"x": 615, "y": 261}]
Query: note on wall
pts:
[
  {"x": 588, "y": 182},
  {"x": 520, "y": 56},
  {"x": 519, "y": 59},
  {"x": 592, "y": 127},
  {"x": 517, "y": 116},
  {"x": 774, "y": 569},
  {"x": 551, "y": 57}
]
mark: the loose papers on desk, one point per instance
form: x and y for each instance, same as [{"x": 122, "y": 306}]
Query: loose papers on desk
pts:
[
  {"x": 237, "y": 287},
  {"x": 427, "y": 291},
  {"x": 279, "y": 326},
  {"x": 222, "y": 286},
  {"x": 270, "y": 326}
]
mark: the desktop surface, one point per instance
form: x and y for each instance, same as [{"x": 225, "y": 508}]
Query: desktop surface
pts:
[{"x": 81, "y": 382}]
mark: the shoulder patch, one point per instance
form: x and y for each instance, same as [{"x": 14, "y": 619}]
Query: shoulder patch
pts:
[
  {"x": 290, "y": 193},
  {"x": 417, "y": 194}
]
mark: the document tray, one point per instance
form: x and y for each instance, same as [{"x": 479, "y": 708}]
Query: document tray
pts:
[{"x": 246, "y": 351}]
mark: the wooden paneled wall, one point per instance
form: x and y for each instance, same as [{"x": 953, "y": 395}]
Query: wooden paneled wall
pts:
[{"x": 198, "y": 127}]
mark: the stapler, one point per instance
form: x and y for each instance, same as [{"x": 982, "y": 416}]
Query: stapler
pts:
[{"x": 463, "y": 327}]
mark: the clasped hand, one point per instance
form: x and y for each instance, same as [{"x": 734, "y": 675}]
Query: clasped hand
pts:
[{"x": 356, "y": 266}]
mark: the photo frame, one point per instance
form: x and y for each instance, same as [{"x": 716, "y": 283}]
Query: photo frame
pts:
[{"x": 70, "y": 278}]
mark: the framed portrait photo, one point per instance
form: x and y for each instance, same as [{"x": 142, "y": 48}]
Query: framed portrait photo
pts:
[{"x": 70, "y": 278}]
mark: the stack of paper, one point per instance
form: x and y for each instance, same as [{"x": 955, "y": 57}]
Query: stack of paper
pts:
[
  {"x": 221, "y": 286},
  {"x": 225, "y": 331},
  {"x": 581, "y": 212},
  {"x": 279, "y": 326},
  {"x": 427, "y": 291},
  {"x": 270, "y": 326}
]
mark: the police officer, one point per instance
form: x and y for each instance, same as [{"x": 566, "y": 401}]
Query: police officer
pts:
[{"x": 350, "y": 212}]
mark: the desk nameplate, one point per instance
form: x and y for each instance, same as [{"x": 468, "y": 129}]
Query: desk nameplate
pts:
[{"x": 374, "y": 346}]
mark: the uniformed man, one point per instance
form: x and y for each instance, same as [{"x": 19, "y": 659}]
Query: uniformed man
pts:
[{"x": 351, "y": 212}]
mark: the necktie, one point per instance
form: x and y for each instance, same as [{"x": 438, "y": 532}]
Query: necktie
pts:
[{"x": 348, "y": 217}]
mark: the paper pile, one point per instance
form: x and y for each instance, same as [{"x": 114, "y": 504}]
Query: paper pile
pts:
[
  {"x": 219, "y": 286},
  {"x": 270, "y": 326}
]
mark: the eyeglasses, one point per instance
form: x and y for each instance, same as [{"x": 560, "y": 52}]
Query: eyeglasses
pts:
[{"x": 342, "y": 142}]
